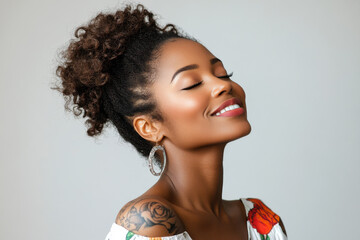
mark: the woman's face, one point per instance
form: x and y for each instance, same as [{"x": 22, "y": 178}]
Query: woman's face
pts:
[{"x": 187, "y": 112}]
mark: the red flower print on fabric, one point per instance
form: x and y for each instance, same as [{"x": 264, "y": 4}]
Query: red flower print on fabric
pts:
[{"x": 261, "y": 217}]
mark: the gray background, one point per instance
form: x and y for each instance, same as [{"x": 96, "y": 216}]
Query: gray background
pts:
[{"x": 298, "y": 62}]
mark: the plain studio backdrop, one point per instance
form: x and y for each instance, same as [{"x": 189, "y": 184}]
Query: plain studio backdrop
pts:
[{"x": 299, "y": 63}]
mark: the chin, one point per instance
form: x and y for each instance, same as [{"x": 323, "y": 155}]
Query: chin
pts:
[
  {"x": 249, "y": 130},
  {"x": 245, "y": 130}
]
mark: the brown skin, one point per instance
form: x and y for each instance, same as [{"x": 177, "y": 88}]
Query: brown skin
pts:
[{"x": 190, "y": 188}]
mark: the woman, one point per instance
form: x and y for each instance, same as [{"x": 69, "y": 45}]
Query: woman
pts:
[{"x": 175, "y": 102}]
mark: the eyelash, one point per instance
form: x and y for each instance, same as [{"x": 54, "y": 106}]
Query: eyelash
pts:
[
  {"x": 226, "y": 76},
  {"x": 197, "y": 84}
]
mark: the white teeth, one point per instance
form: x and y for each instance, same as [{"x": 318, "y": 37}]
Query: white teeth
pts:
[{"x": 228, "y": 108}]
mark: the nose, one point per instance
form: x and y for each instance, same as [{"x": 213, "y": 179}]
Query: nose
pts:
[{"x": 221, "y": 86}]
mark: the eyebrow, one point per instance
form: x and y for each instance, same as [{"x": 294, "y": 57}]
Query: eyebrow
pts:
[{"x": 192, "y": 66}]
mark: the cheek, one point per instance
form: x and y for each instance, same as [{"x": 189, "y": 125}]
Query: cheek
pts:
[
  {"x": 239, "y": 90},
  {"x": 183, "y": 107},
  {"x": 184, "y": 117}
]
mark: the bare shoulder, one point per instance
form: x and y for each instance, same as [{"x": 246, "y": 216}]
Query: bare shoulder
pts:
[
  {"x": 151, "y": 217},
  {"x": 235, "y": 208}
]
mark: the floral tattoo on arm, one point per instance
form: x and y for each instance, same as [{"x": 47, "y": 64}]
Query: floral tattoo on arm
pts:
[{"x": 147, "y": 215}]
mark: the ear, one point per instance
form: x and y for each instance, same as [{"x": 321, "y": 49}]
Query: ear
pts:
[{"x": 147, "y": 128}]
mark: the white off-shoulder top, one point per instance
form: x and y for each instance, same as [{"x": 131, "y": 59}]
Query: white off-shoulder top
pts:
[{"x": 262, "y": 224}]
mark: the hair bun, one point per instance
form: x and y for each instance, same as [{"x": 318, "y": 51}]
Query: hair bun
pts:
[
  {"x": 86, "y": 61},
  {"x": 105, "y": 69}
]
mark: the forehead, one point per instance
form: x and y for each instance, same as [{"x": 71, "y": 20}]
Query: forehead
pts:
[{"x": 178, "y": 53}]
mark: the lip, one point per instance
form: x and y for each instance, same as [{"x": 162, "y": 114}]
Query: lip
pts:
[{"x": 228, "y": 102}]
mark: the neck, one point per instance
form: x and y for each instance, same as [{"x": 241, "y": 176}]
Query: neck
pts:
[{"x": 196, "y": 176}]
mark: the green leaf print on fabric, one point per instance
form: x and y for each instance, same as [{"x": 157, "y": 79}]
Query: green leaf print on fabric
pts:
[
  {"x": 264, "y": 238},
  {"x": 129, "y": 235}
]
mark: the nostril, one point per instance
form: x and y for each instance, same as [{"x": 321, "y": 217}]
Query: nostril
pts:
[{"x": 221, "y": 87}]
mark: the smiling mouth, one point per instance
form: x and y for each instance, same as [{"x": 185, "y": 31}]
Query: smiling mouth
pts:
[
  {"x": 229, "y": 105},
  {"x": 228, "y": 108}
]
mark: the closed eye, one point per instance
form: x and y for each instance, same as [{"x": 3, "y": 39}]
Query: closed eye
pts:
[
  {"x": 197, "y": 84},
  {"x": 226, "y": 76},
  {"x": 192, "y": 86}
]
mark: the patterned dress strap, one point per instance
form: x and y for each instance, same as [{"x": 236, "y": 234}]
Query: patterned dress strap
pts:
[{"x": 262, "y": 222}]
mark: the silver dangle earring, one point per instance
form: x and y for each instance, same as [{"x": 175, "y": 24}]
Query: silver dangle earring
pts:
[{"x": 152, "y": 159}]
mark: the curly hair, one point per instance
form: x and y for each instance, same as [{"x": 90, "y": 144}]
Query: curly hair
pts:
[{"x": 106, "y": 71}]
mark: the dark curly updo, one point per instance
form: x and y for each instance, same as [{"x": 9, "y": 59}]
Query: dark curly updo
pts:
[{"x": 106, "y": 71}]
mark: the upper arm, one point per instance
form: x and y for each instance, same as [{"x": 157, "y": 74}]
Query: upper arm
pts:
[{"x": 150, "y": 217}]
